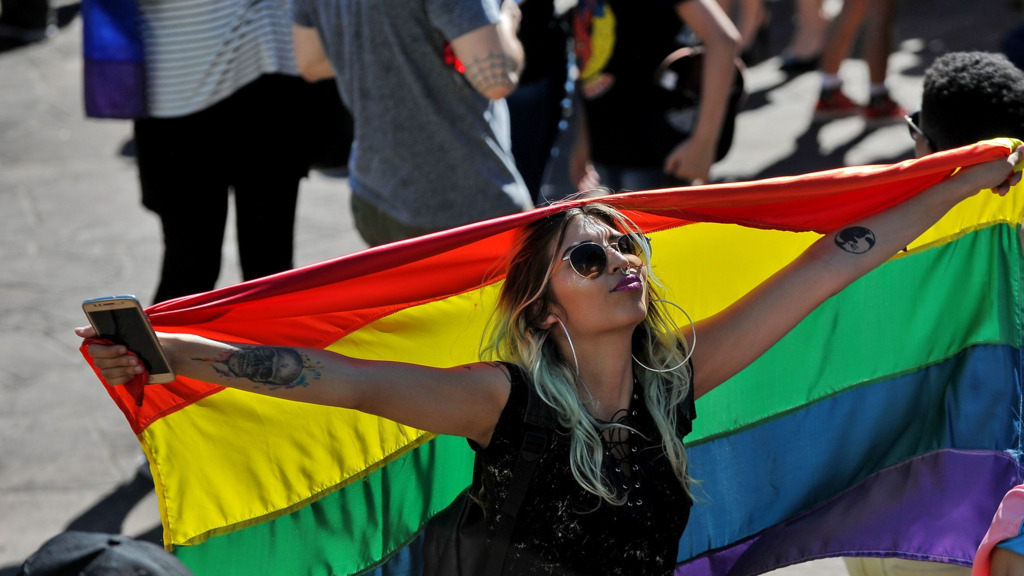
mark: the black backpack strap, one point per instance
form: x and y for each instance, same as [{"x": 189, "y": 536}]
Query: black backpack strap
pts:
[{"x": 540, "y": 420}]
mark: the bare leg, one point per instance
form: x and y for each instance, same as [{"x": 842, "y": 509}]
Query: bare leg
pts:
[
  {"x": 748, "y": 17},
  {"x": 811, "y": 30},
  {"x": 844, "y": 31},
  {"x": 878, "y": 38},
  {"x": 878, "y": 41},
  {"x": 833, "y": 103}
]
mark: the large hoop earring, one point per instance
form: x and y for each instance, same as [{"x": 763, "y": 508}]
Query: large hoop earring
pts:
[
  {"x": 689, "y": 354},
  {"x": 571, "y": 347}
]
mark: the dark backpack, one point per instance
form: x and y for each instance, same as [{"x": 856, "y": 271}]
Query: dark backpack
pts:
[{"x": 455, "y": 541}]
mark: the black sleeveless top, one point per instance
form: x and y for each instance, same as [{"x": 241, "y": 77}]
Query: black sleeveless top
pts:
[{"x": 563, "y": 529}]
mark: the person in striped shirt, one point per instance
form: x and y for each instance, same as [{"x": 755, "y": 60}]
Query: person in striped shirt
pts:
[{"x": 228, "y": 115}]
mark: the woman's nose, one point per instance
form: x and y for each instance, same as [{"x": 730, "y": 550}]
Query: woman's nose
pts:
[{"x": 617, "y": 260}]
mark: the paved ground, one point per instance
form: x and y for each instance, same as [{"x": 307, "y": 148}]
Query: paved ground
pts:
[{"x": 71, "y": 228}]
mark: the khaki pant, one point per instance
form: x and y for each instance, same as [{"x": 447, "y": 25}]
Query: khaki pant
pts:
[
  {"x": 900, "y": 567},
  {"x": 377, "y": 227}
]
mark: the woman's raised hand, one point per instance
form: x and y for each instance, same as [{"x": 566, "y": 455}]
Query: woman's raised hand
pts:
[
  {"x": 115, "y": 364},
  {"x": 997, "y": 175}
]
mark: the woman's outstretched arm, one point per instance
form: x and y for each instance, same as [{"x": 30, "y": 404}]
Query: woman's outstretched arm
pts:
[
  {"x": 463, "y": 400},
  {"x": 735, "y": 337}
]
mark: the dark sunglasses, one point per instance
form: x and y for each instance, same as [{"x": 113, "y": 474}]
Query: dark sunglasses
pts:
[
  {"x": 914, "y": 125},
  {"x": 589, "y": 259}
]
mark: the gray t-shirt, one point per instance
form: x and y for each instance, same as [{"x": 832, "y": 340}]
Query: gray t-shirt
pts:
[{"x": 429, "y": 150}]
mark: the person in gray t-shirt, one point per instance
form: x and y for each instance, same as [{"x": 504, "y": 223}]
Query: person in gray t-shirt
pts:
[{"x": 425, "y": 82}]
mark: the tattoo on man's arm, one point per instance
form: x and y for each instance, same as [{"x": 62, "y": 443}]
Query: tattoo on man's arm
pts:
[
  {"x": 274, "y": 367},
  {"x": 855, "y": 239},
  {"x": 492, "y": 71}
]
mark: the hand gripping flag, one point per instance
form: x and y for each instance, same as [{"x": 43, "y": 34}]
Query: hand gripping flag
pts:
[{"x": 887, "y": 423}]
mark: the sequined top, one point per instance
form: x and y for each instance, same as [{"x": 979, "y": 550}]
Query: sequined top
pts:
[{"x": 562, "y": 528}]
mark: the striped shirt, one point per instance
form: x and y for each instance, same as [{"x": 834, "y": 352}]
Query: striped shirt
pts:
[{"x": 199, "y": 52}]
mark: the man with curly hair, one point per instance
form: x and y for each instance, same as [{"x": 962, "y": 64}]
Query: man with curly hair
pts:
[{"x": 968, "y": 97}]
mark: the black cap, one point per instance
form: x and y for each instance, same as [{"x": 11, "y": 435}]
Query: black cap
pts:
[{"x": 95, "y": 554}]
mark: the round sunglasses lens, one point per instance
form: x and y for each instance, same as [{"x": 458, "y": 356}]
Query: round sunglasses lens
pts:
[
  {"x": 588, "y": 260},
  {"x": 629, "y": 244},
  {"x": 633, "y": 245}
]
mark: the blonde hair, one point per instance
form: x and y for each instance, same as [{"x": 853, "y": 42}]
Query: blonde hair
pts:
[{"x": 517, "y": 336}]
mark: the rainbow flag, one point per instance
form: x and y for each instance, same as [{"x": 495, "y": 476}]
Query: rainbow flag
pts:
[{"x": 886, "y": 423}]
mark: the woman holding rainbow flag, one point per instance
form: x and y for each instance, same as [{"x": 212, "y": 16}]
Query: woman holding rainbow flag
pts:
[{"x": 580, "y": 324}]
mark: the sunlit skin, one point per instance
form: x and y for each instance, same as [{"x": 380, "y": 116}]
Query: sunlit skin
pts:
[
  {"x": 594, "y": 304},
  {"x": 599, "y": 318}
]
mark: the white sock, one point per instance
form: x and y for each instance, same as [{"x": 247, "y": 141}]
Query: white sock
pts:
[{"x": 830, "y": 81}]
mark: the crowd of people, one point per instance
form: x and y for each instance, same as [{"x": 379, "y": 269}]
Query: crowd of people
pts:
[
  {"x": 454, "y": 110},
  {"x": 447, "y": 113},
  {"x": 451, "y": 112}
]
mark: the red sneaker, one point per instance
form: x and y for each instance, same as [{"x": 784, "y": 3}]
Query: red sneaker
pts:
[
  {"x": 834, "y": 104},
  {"x": 883, "y": 110}
]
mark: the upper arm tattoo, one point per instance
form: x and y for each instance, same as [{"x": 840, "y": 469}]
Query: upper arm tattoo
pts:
[
  {"x": 855, "y": 239},
  {"x": 495, "y": 70},
  {"x": 274, "y": 367}
]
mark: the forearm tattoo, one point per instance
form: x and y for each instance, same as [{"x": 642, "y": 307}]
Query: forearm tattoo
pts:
[
  {"x": 855, "y": 239},
  {"x": 270, "y": 367},
  {"x": 492, "y": 71}
]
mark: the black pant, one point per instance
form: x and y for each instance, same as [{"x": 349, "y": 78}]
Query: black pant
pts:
[
  {"x": 253, "y": 144},
  {"x": 28, "y": 14}
]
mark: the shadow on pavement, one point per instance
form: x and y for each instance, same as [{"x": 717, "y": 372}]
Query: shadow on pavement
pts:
[
  {"x": 807, "y": 157},
  {"x": 108, "y": 515},
  {"x": 65, "y": 15}
]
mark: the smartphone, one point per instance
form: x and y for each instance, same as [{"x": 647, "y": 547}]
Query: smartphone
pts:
[{"x": 121, "y": 319}]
